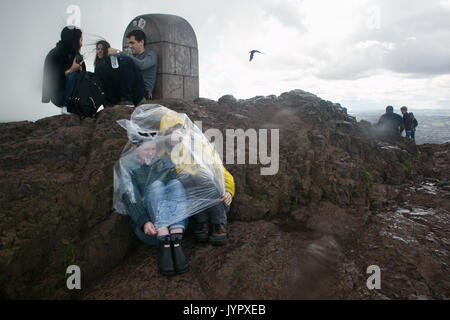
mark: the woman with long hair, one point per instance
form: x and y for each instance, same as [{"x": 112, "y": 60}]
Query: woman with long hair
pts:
[
  {"x": 101, "y": 53},
  {"x": 122, "y": 85},
  {"x": 62, "y": 65}
]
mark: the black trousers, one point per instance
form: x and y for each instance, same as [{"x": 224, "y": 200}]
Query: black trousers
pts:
[
  {"x": 215, "y": 215},
  {"x": 125, "y": 82}
]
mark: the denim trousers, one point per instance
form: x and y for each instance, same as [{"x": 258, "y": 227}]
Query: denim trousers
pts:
[
  {"x": 62, "y": 96},
  {"x": 164, "y": 202}
]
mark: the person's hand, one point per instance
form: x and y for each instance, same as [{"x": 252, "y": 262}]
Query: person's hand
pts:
[
  {"x": 112, "y": 52},
  {"x": 227, "y": 198},
  {"x": 150, "y": 96},
  {"x": 75, "y": 66},
  {"x": 149, "y": 229}
]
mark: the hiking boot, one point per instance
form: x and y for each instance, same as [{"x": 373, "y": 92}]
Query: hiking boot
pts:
[
  {"x": 165, "y": 260},
  {"x": 218, "y": 235},
  {"x": 201, "y": 232},
  {"x": 180, "y": 261}
]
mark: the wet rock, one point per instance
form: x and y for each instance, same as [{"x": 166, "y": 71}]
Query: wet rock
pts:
[{"x": 56, "y": 181}]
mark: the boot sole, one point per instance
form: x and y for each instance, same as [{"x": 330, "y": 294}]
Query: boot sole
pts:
[
  {"x": 167, "y": 273},
  {"x": 200, "y": 238},
  {"x": 217, "y": 242},
  {"x": 182, "y": 271}
]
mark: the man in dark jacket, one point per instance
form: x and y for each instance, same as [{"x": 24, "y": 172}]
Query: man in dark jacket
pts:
[
  {"x": 145, "y": 59},
  {"x": 390, "y": 123},
  {"x": 61, "y": 66}
]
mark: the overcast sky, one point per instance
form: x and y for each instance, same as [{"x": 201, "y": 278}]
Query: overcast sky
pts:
[{"x": 364, "y": 54}]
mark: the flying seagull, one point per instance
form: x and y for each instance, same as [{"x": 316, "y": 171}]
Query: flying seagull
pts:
[{"x": 252, "y": 53}]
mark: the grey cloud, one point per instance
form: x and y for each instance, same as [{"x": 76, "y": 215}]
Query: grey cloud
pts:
[
  {"x": 419, "y": 32},
  {"x": 286, "y": 13}
]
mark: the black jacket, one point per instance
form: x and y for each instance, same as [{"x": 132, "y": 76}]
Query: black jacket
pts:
[
  {"x": 391, "y": 122},
  {"x": 409, "y": 122},
  {"x": 58, "y": 60}
]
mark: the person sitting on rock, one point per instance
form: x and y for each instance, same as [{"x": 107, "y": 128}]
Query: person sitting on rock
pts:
[
  {"x": 390, "y": 123},
  {"x": 210, "y": 224},
  {"x": 122, "y": 85},
  {"x": 61, "y": 67},
  {"x": 145, "y": 60},
  {"x": 154, "y": 195}
]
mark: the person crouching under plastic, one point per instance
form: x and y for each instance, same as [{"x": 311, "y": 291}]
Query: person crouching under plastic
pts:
[
  {"x": 154, "y": 183},
  {"x": 210, "y": 225}
]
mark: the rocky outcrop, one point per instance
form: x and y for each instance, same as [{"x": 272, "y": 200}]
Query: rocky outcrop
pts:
[{"x": 339, "y": 203}]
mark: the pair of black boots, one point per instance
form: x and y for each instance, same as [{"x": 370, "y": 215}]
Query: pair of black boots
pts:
[{"x": 171, "y": 258}]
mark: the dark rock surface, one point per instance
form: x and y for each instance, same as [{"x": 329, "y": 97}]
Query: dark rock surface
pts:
[{"x": 342, "y": 200}]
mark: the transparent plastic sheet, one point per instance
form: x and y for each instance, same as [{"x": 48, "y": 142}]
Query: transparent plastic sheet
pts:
[{"x": 168, "y": 169}]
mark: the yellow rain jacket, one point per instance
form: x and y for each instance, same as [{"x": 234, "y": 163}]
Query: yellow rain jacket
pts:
[{"x": 184, "y": 160}]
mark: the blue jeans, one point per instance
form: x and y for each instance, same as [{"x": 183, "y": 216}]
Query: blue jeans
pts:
[
  {"x": 166, "y": 203},
  {"x": 408, "y": 133},
  {"x": 62, "y": 96},
  {"x": 163, "y": 201}
]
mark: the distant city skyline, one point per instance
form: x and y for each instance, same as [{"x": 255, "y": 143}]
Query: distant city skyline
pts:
[{"x": 363, "y": 54}]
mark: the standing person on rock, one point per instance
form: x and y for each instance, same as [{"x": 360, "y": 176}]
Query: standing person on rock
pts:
[
  {"x": 410, "y": 123},
  {"x": 62, "y": 66},
  {"x": 414, "y": 125},
  {"x": 145, "y": 60},
  {"x": 390, "y": 123}
]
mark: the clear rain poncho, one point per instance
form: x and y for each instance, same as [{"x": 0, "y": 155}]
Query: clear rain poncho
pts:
[{"x": 168, "y": 170}]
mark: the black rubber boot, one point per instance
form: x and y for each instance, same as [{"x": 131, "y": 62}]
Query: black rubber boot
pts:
[
  {"x": 180, "y": 261},
  {"x": 165, "y": 260}
]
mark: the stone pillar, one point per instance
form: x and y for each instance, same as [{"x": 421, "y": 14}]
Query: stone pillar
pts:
[{"x": 174, "y": 40}]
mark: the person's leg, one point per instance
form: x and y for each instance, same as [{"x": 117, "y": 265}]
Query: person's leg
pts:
[
  {"x": 176, "y": 199},
  {"x": 62, "y": 96},
  {"x": 181, "y": 263},
  {"x": 218, "y": 217},
  {"x": 131, "y": 81},
  {"x": 155, "y": 198},
  {"x": 110, "y": 80},
  {"x": 197, "y": 184}
]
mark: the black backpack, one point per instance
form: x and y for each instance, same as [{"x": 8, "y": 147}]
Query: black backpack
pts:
[{"x": 86, "y": 95}]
